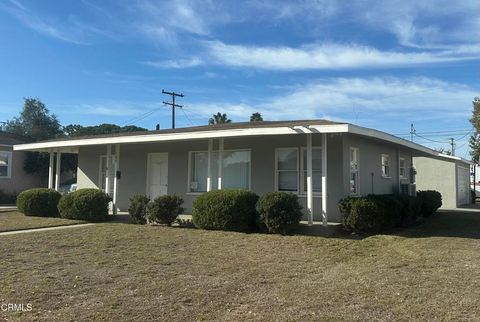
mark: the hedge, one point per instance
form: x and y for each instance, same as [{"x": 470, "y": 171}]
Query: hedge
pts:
[
  {"x": 280, "y": 212},
  {"x": 376, "y": 213},
  {"x": 226, "y": 210},
  {"x": 85, "y": 204},
  {"x": 164, "y": 210},
  {"x": 40, "y": 202}
]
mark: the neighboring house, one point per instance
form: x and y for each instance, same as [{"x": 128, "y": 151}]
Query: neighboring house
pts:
[
  {"x": 449, "y": 175},
  {"x": 13, "y": 179},
  {"x": 320, "y": 161}
]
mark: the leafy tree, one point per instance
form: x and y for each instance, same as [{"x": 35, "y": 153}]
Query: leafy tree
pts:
[
  {"x": 256, "y": 117},
  {"x": 475, "y": 138},
  {"x": 36, "y": 123},
  {"x": 219, "y": 118}
]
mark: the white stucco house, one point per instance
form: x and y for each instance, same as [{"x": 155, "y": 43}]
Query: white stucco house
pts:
[{"x": 320, "y": 161}]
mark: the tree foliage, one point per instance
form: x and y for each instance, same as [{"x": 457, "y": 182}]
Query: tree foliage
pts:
[
  {"x": 219, "y": 118},
  {"x": 35, "y": 122},
  {"x": 475, "y": 138},
  {"x": 256, "y": 117},
  {"x": 76, "y": 130}
]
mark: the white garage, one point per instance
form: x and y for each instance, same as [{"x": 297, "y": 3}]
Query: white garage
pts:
[{"x": 448, "y": 175}]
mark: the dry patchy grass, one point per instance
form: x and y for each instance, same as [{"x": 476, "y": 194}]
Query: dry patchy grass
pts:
[
  {"x": 117, "y": 271},
  {"x": 13, "y": 220}
]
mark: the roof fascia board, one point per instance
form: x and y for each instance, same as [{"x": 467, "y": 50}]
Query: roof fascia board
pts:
[{"x": 157, "y": 138}]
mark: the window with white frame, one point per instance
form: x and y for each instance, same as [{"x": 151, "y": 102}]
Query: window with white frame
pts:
[
  {"x": 354, "y": 171},
  {"x": 402, "y": 168},
  {"x": 316, "y": 170},
  {"x": 235, "y": 170},
  {"x": 5, "y": 164},
  {"x": 287, "y": 169},
  {"x": 385, "y": 165}
]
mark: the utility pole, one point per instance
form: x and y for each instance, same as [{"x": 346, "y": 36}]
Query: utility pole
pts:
[
  {"x": 452, "y": 143},
  {"x": 172, "y": 104},
  {"x": 412, "y": 132}
]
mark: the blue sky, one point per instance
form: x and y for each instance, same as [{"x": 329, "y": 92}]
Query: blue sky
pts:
[{"x": 381, "y": 64}]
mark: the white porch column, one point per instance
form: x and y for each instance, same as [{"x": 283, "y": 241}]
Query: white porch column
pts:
[
  {"x": 220, "y": 162},
  {"x": 324, "y": 179},
  {"x": 50, "y": 170},
  {"x": 209, "y": 165},
  {"x": 309, "y": 179},
  {"x": 115, "y": 179},
  {"x": 107, "y": 169},
  {"x": 57, "y": 170}
]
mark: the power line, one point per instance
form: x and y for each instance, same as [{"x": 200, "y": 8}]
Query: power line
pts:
[{"x": 188, "y": 118}]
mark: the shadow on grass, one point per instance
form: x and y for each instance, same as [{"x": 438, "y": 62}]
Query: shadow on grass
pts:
[{"x": 460, "y": 223}]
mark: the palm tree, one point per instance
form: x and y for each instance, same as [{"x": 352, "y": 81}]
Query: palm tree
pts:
[
  {"x": 219, "y": 118},
  {"x": 256, "y": 117}
]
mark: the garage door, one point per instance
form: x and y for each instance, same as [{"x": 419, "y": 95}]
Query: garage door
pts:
[{"x": 463, "y": 186}]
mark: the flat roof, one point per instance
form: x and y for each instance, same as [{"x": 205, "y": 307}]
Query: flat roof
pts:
[{"x": 71, "y": 144}]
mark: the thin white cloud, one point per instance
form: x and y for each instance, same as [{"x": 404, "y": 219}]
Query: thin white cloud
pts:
[
  {"x": 328, "y": 56},
  {"x": 357, "y": 100},
  {"x": 72, "y": 32},
  {"x": 179, "y": 63}
]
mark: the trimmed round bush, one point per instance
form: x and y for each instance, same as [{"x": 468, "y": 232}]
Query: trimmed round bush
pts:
[
  {"x": 164, "y": 210},
  {"x": 39, "y": 202},
  {"x": 366, "y": 216},
  {"x": 137, "y": 209},
  {"x": 280, "y": 212},
  {"x": 431, "y": 200},
  {"x": 232, "y": 210},
  {"x": 85, "y": 204}
]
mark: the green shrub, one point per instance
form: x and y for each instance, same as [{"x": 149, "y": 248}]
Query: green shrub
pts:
[
  {"x": 280, "y": 212},
  {"x": 431, "y": 200},
  {"x": 392, "y": 208},
  {"x": 345, "y": 205},
  {"x": 226, "y": 210},
  {"x": 39, "y": 202},
  {"x": 137, "y": 209},
  {"x": 411, "y": 210},
  {"x": 365, "y": 216},
  {"x": 164, "y": 210},
  {"x": 85, "y": 204}
]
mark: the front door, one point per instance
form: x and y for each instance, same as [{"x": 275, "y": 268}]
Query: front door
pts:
[{"x": 157, "y": 175}]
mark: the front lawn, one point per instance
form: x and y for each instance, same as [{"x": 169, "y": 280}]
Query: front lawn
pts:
[
  {"x": 114, "y": 271},
  {"x": 13, "y": 220}
]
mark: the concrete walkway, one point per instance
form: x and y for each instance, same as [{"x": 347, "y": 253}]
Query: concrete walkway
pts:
[{"x": 32, "y": 230}]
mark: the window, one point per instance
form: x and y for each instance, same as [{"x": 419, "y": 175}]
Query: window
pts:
[
  {"x": 354, "y": 171},
  {"x": 316, "y": 170},
  {"x": 402, "y": 168},
  {"x": 385, "y": 165},
  {"x": 235, "y": 170},
  {"x": 5, "y": 164},
  {"x": 287, "y": 169}
]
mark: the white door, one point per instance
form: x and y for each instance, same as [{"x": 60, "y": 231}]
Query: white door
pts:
[
  {"x": 463, "y": 186},
  {"x": 157, "y": 175}
]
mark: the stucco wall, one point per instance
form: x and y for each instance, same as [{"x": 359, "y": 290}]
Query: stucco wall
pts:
[
  {"x": 20, "y": 180},
  {"x": 133, "y": 165},
  {"x": 370, "y": 165},
  {"x": 437, "y": 174}
]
